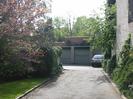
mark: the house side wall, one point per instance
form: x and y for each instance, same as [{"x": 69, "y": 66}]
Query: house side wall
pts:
[
  {"x": 131, "y": 31},
  {"x": 122, "y": 24}
]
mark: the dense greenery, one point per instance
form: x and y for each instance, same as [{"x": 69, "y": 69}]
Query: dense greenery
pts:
[
  {"x": 118, "y": 67},
  {"x": 123, "y": 73},
  {"x": 109, "y": 65},
  {"x": 61, "y": 28},
  {"x": 86, "y": 26},
  {"x": 11, "y": 90},
  {"x": 26, "y": 46},
  {"x": 11, "y": 65},
  {"x": 49, "y": 63},
  {"x": 81, "y": 26},
  {"x": 108, "y": 38},
  {"x": 15, "y": 67},
  {"x": 26, "y": 40}
]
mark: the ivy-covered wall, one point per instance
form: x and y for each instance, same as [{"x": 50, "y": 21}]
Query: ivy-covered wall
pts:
[
  {"x": 120, "y": 69},
  {"x": 123, "y": 72},
  {"x": 119, "y": 66}
]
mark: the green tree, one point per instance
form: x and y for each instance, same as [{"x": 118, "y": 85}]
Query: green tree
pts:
[
  {"x": 103, "y": 34},
  {"x": 60, "y": 28},
  {"x": 90, "y": 27},
  {"x": 18, "y": 20},
  {"x": 109, "y": 30},
  {"x": 43, "y": 37},
  {"x": 80, "y": 27}
]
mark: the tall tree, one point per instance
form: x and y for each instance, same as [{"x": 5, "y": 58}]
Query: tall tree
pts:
[
  {"x": 60, "y": 28},
  {"x": 19, "y": 16},
  {"x": 87, "y": 27},
  {"x": 18, "y": 19},
  {"x": 44, "y": 34}
]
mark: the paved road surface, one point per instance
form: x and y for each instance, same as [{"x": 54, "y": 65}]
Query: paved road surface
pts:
[{"x": 77, "y": 83}]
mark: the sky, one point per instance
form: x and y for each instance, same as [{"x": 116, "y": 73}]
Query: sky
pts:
[{"x": 76, "y": 8}]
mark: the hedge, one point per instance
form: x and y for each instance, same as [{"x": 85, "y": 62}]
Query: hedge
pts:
[
  {"x": 49, "y": 63},
  {"x": 121, "y": 70},
  {"x": 123, "y": 74},
  {"x": 14, "y": 66}
]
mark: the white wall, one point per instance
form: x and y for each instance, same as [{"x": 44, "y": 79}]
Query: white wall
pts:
[{"x": 122, "y": 23}]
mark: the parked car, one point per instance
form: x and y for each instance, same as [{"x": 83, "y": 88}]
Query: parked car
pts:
[{"x": 97, "y": 60}]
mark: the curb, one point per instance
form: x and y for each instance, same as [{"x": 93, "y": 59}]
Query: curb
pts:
[
  {"x": 35, "y": 87},
  {"x": 114, "y": 85}
]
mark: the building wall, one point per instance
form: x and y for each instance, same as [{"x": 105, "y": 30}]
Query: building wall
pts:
[
  {"x": 122, "y": 24},
  {"x": 131, "y": 31},
  {"x": 131, "y": 18}
]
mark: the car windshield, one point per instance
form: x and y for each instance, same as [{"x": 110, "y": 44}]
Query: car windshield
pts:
[{"x": 98, "y": 57}]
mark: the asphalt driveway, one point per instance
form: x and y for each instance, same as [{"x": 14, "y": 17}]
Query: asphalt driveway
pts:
[{"x": 77, "y": 82}]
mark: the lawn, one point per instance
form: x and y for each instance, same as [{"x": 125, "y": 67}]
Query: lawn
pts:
[{"x": 11, "y": 90}]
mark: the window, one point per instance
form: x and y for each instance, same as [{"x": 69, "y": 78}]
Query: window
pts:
[
  {"x": 130, "y": 11},
  {"x": 110, "y": 2}
]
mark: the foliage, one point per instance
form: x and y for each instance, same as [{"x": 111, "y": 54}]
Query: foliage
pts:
[
  {"x": 44, "y": 36},
  {"x": 101, "y": 30},
  {"x": 120, "y": 70},
  {"x": 107, "y": 40},
  {"x": 82, "y": 26},
  {"x": 11, "y": 90},
  {"x": 123, "y": 74},
  {"x": 86, "y": 27},
  {"x": 12, "y": 66},
  {"x": 56, "y": 65},
  {"x": 25, "y": 30},
  {"x": 60, "y": 28},
  {"x": 109, "y": 31},
  {"x": 124, "y": 57},
  {"x": 49, "y": 63},
  {"x": 109, "y": 65},
  {"x": 19, "y": 16},
  {"x": 19, "y": 21},
  {"x": 53, "y": 60}
]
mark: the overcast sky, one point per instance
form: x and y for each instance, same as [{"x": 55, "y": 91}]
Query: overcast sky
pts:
[{"x": 75, "y": 8}]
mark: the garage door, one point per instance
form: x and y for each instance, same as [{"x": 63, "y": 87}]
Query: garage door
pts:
[
  {"x": 81, "y": 56},
  {"x": 76, "y": 55},
  {"x": 66, "y": 55}
]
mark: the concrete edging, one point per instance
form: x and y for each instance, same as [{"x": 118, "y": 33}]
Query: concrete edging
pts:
[
  {"x": 35, "y": 87},
  {"x": 114, "y": 85}
]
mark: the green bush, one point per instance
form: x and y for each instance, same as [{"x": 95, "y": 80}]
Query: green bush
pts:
[
  {"x": 11, "y": 65},
  {"x": 56, "y": 65},
  {"x": 121, "y": 70},
  {"x": 123, "y": 73},
  {"x": 12, "y": 71},
  {"x": 105, "y": 64},
  {"x": 109, "y": 65},
  {"x": 16, "y": 63},
  {"x": 49, "y": 62}
]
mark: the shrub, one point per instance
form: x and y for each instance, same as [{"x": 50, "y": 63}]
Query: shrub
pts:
[
  {"x": 109, "y": 65},
  {"x": 49, "y": 63},
  {"x": 121, "y": 70},
  {"x": 123, "y": 74},
  {"x": 56, "y": 65},
  {"x": 20, "y": 62},
  {"x": 13, "y": 67}
]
